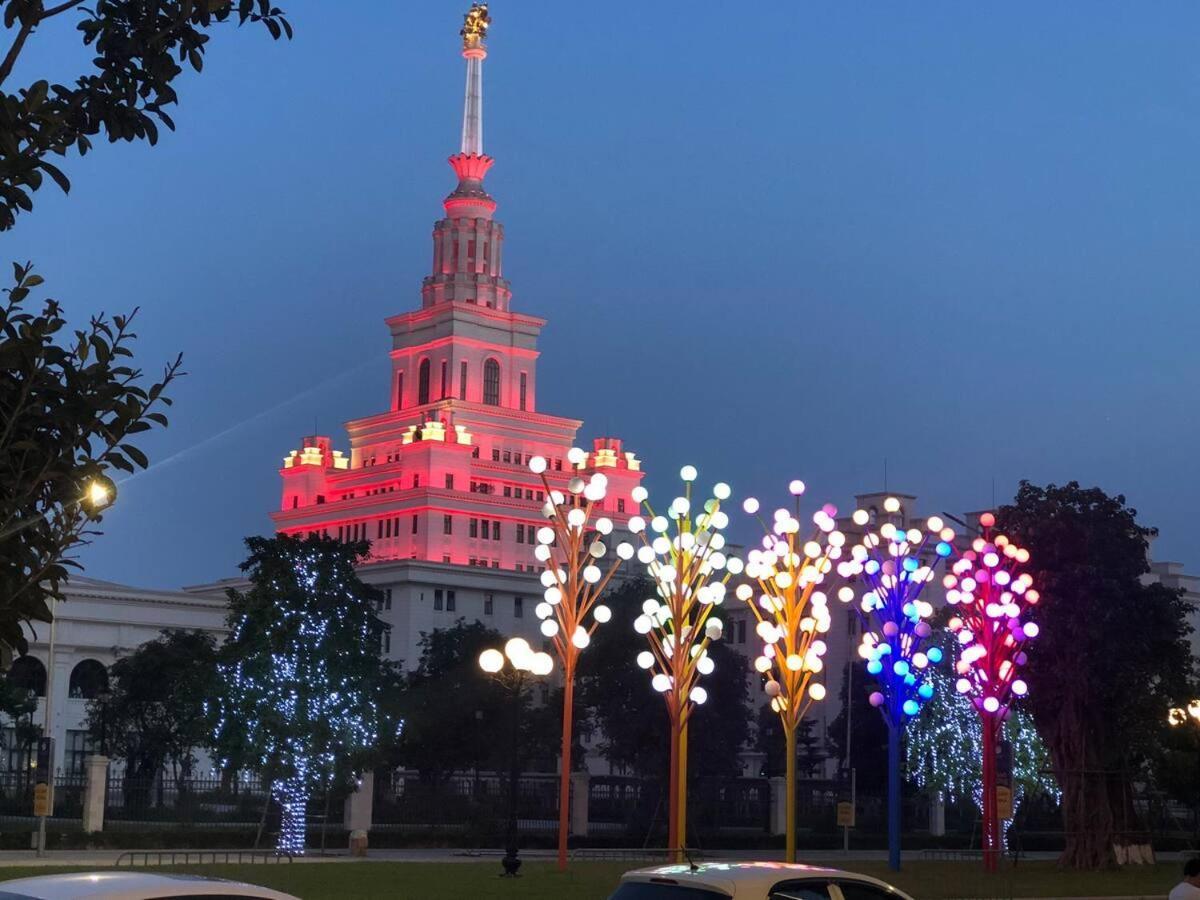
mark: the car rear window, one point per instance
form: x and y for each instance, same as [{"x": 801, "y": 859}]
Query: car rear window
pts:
[{"x": 662, "y": 890}]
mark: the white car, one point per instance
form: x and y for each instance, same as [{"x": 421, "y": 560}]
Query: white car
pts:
[
  {"x": 750, "y": 881},
  {"x": 132, "y": 886}
]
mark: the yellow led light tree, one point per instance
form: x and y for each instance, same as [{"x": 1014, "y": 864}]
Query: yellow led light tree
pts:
[
  {"x": 573, "y": 549},
  {"x": 792, "y": 618},
  {"x": 683, "y": 554}
]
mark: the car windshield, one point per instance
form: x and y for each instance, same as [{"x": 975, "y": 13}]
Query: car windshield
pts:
[{"x": 657, "y": 890}]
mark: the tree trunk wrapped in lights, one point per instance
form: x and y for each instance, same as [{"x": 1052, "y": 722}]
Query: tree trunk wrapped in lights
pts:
[
  {"x": 890, "y": 565},
  {"x": 573, "y": 547},
  {"x": 687, "y": 571},
  {"x": 792, "y": 615},
  {"x": 990, "y": 596}
]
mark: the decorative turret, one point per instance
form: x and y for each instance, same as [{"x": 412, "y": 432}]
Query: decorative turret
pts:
[{"x": 467, "y": 243}]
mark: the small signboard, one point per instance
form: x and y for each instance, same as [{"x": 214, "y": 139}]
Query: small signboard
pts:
[
  {"x": 41, "y": 799},
  {"x": 845, "y": 814},
  {"x": 1004, "y": 802}
]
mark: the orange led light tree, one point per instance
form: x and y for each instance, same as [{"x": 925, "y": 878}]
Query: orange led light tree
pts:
[
  {"x": 792, "y": 617},
  {"x": 683, "y": 554},
  {"x": 573, "y": 549}
]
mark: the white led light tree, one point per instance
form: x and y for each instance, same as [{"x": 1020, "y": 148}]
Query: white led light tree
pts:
[
  {"x": 792, "y": 617},
  {"x": 683, "y": 554},
  {"x": 893, "y": 566},
  {"x": 575, "y": 550}
]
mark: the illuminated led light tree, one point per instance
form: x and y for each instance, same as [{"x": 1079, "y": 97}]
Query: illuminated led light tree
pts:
[
  {"x": 890, "y": 564},
  {"x": 573, "y": 548},
  {"x": 300, "y": 670},
  {"x": 683, "y": 554},
  {"x": 792, "y": 615},
  {"x": 990, "y": 595}
]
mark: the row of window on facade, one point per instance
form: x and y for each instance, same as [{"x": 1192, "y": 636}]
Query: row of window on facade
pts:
[
  {"x": 446, "y": 600},
  {"x": 19, "y": 755},
  {"x": 89, "y": 678},
  {"x": 491, "y": 384}
]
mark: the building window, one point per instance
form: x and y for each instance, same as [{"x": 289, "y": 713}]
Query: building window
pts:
[
  {"x": 507, "y": 491},
  {"x": 489, "y": 604},
  {"x": 414, "y": 524},
  {"x": 447, "y": 525},
  {"x": 473, "y": 528},
  {"x": 520, "y": 533},
  {"x": 741, "y": 631},
  {"x": 558, "y": 465},
  {"x": 423, "y": 383},
  {"x": 18, "y": 752},
  {"x": 450, "y": 601},
  {"x": 387, "y": 598},
  {"x": 508, "y": 456},
  {"x": 462, "y": 381},
  {"x": 379, "y": 529},
  {"x": 445, "y": 380},
  {"x": 79, "y": 748},
  {"x": 28, "y": 675},
  {"x": 449, "y": 481},
  {"x": 416, "y": 481},
  {"x": 491, "y": 383},
  {"x": 620, "y": 505},
  {"x": 496, "y": 530},
  {"x": 437, "y": 599},
  {"x": 387, "y": 641},
  {"x": 88, "y": 680},
  {"x": 524, "y": 388},
  {"x": 495, "y": 455},
  {"x": 399, "y": 390},
  {"x": 518, "y": 607},
  {"x": 446, "y": 558}
]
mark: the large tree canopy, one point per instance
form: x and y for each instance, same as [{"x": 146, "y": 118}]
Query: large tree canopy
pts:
[
  {"x": 136, "y": 50},
  {"x": 456, "y": 718},
  {"x": 619, "y": 700},
  {"x": 1111, "y": 659},
  {"x": 69, "y": 404},
  {"x": 155, "y": 711}
]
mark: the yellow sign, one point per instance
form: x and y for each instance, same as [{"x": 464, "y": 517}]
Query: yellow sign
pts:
[
  {"x": 41, "y": 799},
  {"x": 845, "y": 815},
  {"x": 1004, "y": 802}
]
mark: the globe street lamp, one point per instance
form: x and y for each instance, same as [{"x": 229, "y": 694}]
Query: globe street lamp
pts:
[{"x": 512, "y": 669}]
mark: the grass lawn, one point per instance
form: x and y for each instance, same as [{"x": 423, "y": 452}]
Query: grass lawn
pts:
[{"x": 594, "y": 881}]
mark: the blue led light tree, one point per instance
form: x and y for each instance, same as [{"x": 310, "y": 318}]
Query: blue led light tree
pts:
[
  {"x": 892, "y": 566},
  {"x": 300, "y": 671}
]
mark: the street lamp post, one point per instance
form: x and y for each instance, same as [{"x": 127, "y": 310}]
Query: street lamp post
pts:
[
  {"x": 511, "y": 669},
  {"x": 98, "y": 495}
]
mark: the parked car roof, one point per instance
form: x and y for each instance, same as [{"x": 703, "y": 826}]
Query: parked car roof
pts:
[
  {"x": 129, "y": 886},
  {"x": 751, "y": 880}
]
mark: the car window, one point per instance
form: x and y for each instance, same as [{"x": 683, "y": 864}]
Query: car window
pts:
[
  {"x": 856, "y": 890},
  {"x": 659, "y": 890},
  {"x": 800, "y": 890}
]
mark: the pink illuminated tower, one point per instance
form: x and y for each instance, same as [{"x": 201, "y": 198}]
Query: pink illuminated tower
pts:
[{"x": 440, "y": 482}]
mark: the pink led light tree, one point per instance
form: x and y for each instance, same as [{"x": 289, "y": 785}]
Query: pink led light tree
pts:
[{"x": 990, "y": 596}]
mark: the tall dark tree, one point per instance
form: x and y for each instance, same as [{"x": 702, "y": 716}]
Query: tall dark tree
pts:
[
  {"x": 135, "y": 49},
  {"x": 620, "y": 702},
  {"x": 868, "y": 736},
  {"x": 300, "y": 674},
  {"x": 154, "y": 714},
  {"x": 811, "y": 749},
  {"x": 1111, "y": 659},
  {"x": 457, "y": 719},
  {"x": 70, "y": 403}
]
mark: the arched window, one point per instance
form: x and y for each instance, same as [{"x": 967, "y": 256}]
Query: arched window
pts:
[
  {"x": 88, "y": 680},
  {"x": 28, "y": 674},
  {"x": 491, "y": 383},
  {"x": 423, "y": 383}
]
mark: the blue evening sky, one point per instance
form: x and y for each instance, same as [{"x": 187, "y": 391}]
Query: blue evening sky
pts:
[{"x": 774, "y": 240}]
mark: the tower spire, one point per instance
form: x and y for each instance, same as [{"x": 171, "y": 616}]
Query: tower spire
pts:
[{"x": 474, "y": 32}]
